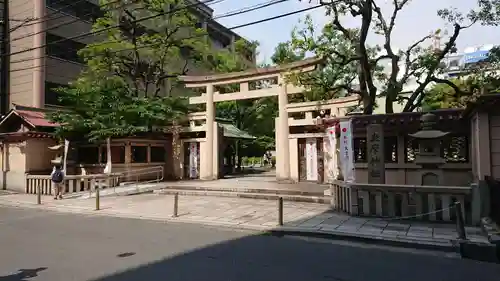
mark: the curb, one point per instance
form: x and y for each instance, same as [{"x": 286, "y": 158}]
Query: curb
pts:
[
  {"x": 443, "y": 246},
  {"x": 378, "y": 240}
]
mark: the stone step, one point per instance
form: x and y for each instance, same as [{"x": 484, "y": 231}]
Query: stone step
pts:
[
  {"x": 317, "y": 193},
  {"x": 267, "y": 196}
]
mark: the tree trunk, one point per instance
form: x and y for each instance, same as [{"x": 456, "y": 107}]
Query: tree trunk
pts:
[
  {"x": 389, "y": 101},
  {"x": 368, "y": 103}
]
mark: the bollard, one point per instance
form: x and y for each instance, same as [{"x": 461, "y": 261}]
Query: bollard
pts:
[
  {"x": 176, "y": 205},
  {"x": 38, "y": 195},
  {"x": 280, "y": 211},
  {"x": 97, "y": 199},
  {"x": 460, "y": 221}
]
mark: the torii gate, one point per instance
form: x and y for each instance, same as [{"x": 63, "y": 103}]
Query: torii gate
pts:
[{"x": 282, "y": 90}]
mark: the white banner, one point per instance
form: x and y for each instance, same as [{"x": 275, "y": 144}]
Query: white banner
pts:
[
  {"x": 346, "y": 151},
  {"x": 193, "y": 160},
  {"x": 311, "y": 159},
  {"x": 66, "y": 149},
  {"x": 332, "y": 153}
]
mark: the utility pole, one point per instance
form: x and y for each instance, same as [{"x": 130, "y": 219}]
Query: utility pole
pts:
[{"x": 4, "y": 58}]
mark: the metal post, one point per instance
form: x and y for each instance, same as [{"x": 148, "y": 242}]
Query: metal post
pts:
[
  {"x": 176, "y": 205},
  {"x": 97, "y": 199},
  {"x": 280, "y": 211},
  {"x": 38, "y": 195},
  {"x": 460, "y": 221}
]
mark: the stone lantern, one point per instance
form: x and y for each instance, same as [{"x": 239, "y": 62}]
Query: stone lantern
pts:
[{"x": 429, "y": 150}]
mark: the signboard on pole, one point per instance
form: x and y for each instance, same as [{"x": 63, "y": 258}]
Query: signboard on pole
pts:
[{"x": 346, "y": 151}]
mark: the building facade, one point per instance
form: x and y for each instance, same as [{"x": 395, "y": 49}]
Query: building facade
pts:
[
  {"x": 459, "y": 64},
  {"x": 34, "y": 74}
]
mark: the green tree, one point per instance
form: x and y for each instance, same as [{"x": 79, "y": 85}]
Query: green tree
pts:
[
  {"x": 131, "y": 75},
  {"x": 254, "y": 116},
  {"x": 354, "y": 67},
  {"x": 477, "y": 79}
]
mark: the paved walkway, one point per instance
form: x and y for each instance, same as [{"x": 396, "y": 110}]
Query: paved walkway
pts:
[
  {"x": 262, "y": 181},
  {"x": 307, "y": 218}
]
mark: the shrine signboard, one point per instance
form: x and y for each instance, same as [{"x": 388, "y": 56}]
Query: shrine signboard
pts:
[{"x": 375, "y": 153}]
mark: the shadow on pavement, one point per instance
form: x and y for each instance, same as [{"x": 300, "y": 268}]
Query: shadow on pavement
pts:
[
  {"x": 23, "y": 274},
  {"x": 263, "y": 257}
]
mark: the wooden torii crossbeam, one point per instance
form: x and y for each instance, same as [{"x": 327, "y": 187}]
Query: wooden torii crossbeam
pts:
[{"x": 243, "y": 78}]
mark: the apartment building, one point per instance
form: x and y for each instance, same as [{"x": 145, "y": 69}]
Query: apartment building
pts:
[
  {"x": 33, "y": 75},
  {"x": 460, "y": 64}
]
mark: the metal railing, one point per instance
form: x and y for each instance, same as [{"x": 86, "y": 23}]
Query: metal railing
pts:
[{"x": 143, "y": 176}]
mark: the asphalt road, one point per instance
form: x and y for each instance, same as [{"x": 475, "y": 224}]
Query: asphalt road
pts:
[{"x": 52, "y": 246}]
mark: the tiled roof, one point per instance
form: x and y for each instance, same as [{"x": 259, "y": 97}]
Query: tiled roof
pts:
[{"x": 36, "y": 118}]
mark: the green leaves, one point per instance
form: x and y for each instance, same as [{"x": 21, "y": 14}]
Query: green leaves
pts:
[{"x": 127, "y": 86}]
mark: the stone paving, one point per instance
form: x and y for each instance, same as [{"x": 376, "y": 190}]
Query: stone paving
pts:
[{"x": 253, "y": 214}]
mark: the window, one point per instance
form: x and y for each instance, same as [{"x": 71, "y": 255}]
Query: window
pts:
[
  {"x": 67, "y": 49},
  {"x": 390, "y": 150},
  {"x": 117, "y": 154},
  {"x": 83, "y": 10},
  {"x": 88, "y": 155},
  {"x": 455, "y": 149},
  {"x": 51, "y": 95},
  {"x": 360, "y": 150},
  {"x": 158, "y": 154},
  {"x": 139, "y": 154}
]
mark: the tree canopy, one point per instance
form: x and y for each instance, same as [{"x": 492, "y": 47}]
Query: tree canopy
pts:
[
  {"x": 132, "y": 71},
  {"x": 354, "y": 67},
  {"x": 472, "y": 81}
]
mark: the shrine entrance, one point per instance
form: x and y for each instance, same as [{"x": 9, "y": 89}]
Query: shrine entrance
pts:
[
  {"x": 210, "y": 158},
  {"x": 301, "y": 147}
]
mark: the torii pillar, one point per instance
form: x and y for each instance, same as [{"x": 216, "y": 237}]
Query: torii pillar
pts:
[
  {"x": 210, "y": 132},
  {"x": 282, "y": 132}
]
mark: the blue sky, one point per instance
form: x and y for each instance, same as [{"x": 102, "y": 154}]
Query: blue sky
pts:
[{"x": 415, "y": 21}]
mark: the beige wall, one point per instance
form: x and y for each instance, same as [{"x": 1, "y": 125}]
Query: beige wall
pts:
[
  {"x": 411, "y": 174},
  {"x": 38, "y": 155},
  {"x": 25, "y": 89},
  {"x": 495, "y": 144},
  {"x": 14, "y": 166},
  {"x": 21, "y": 77}
]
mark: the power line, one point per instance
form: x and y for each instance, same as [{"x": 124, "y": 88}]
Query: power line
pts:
[
  {"x": 108, "y": 28},
  {"x": 37, "y": 20},
  {"x": 191, "y": 37},
  {"x": 224, "y": 15},
  {"x": 251, "y": 8},
  {"x": 61, "y": 16}
]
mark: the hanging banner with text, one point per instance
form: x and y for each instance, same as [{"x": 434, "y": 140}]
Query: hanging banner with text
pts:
[
  {"x": 346, "y": 151},
  {"x": 332, "y": 153},
  {"x": 311, "y": 159},
  {"x": 193, "y": 160}
]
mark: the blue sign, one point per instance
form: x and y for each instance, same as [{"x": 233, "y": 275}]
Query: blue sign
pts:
[{"x": 475, "y": 56}]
